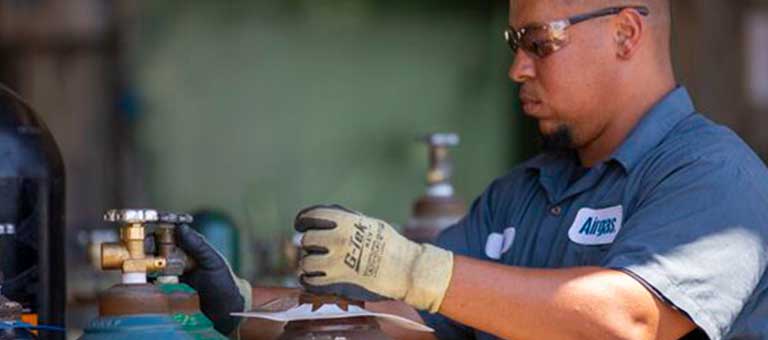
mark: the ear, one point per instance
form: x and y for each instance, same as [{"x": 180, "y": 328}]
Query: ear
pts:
[{"x": 629, "y": 31}]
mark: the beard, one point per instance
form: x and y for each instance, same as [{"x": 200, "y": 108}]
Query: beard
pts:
[{"x": 559, "y": 141}]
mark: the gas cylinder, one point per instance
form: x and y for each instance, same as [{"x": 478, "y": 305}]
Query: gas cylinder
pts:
[
  {"x": 135, "y": 308},
  {"x": 134, "y": 311},
  {"x": 439, "y": 207},
  {"x": 357, "y": 328},
  {"x": 31, "y": 214},
  {"x": 133, "y": 327},
  {"x": 185, "y": 309},
  {"x": 184, "y": 302}
]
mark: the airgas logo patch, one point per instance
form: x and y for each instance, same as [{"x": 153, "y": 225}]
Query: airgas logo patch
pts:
[{"x": 595, "y": 227}]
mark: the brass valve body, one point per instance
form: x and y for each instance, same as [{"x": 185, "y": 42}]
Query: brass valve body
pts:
[{"x": 128, "y": 255}]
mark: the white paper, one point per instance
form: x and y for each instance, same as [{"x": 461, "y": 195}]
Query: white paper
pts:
[{"x": 304, "y": 312}]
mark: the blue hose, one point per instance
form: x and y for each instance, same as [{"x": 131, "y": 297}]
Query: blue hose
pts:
[{"x": 24, "y": 325}]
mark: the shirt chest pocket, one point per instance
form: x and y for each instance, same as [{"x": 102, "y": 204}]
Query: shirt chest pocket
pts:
[{"x": 583, "y": 255}]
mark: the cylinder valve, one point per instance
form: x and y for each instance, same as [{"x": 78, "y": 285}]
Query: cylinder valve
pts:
[
  {"x": 440, "y": 163},
  {"x": 128, "y": 254}
]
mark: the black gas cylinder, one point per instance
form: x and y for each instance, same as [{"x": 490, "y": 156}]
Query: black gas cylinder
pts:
[{"x": 32, "y": 230}]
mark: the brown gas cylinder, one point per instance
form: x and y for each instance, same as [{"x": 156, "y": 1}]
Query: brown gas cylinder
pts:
[
  {"x": 439, "y": 207},
  {"x": 357, "y": 328},
  {"x": 132, "y": 299},
  {"x": 431, "y": 215}
]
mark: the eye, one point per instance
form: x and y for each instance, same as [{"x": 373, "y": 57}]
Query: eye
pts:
[
  {"x": 543, "y": 48},
  {"x": 537, "y": 47}
]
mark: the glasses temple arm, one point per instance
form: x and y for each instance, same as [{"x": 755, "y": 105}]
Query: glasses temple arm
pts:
[{"x": 644, "y": 11}]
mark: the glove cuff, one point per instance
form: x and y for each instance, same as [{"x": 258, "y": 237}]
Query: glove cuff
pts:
[
  {"x": 430, "y": 277},
  {"x": 246, "y": 292}
]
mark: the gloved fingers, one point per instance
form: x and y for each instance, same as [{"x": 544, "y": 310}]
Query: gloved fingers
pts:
[
  {"x": 324, "y": 217},
  {"x": 326, "y": 239},
  {"x": 318, "y": 278},
  {"x": 304, "y": 224},
  {"x": 196, "y": 247},
  {"x": 314, "y": 250},
  {"x": 327, "y": 207},
  {"x": 347, "y": 290},
  {"x": 311, "y": 279},
  {"x": 317, "y": 263}
]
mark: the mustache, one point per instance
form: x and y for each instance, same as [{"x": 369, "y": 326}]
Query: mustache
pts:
[{"x": 529, "y": 95}]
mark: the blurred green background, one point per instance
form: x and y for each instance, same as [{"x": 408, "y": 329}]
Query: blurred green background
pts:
[{"x": 262, "y": 108}]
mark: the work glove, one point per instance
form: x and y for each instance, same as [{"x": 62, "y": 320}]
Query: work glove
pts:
[
  {"x": 362, "y": 258},
  {"x": 221, "y": 291}
]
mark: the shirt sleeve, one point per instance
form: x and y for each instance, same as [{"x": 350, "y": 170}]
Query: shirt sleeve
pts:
[
  {"x": 465, "y": 238},
  {"x": 698, "y": 239},
  {"x": 445, "y": 328},
  {"x": 468, "y": 236}
]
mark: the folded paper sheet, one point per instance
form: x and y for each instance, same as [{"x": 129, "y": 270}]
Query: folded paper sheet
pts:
[{"x": 304, "y": 312}]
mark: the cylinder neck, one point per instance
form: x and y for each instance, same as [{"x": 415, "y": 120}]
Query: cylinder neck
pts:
[
  {"x": 132, "y": 299},
  {"x": 440, "y": 164},
  {"x": 134, "y": 278}
]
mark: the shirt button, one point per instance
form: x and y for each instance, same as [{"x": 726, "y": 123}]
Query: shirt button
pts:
[{"x": 556, "y": 210}]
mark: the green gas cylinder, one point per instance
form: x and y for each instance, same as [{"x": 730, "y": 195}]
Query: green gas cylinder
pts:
[
  {"x": 134, "y": 311},
  {"x": 132, "y": 327},
  {"x": 185, "y": 309}
]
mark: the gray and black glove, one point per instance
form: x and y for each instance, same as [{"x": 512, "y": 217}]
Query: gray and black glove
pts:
[
  {"x": 363, "y": 258},
  {"x": 221, "y": 291}
]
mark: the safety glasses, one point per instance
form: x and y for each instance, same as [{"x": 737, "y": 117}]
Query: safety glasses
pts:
[{"x": 545, "y": 39}]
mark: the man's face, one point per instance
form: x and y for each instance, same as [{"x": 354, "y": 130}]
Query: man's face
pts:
[{"x": 566, "y": 90}]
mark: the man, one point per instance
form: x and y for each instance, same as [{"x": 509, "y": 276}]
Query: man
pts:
[{"x": 642, "y": 220}]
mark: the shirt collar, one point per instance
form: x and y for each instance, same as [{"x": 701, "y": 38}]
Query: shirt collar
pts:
[
  {"x": 647, "y": 134},
  {"x": 654, "y": 127}
]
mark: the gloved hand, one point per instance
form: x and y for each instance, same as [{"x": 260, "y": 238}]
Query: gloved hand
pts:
[
  {"x": 221, "y": 292},
  {"x": 362, "y": 258}
]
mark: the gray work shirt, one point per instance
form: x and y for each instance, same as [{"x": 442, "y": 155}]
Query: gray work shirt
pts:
[{"x": 681, "y": 206}]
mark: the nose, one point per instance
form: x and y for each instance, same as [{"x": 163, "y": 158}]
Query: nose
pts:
[{"x": 522, "y": 68}]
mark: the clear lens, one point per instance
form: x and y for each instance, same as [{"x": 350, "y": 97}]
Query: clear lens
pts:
[
  {"x": 545, "y": 40},
  {"x": 540, "y": 41}
]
